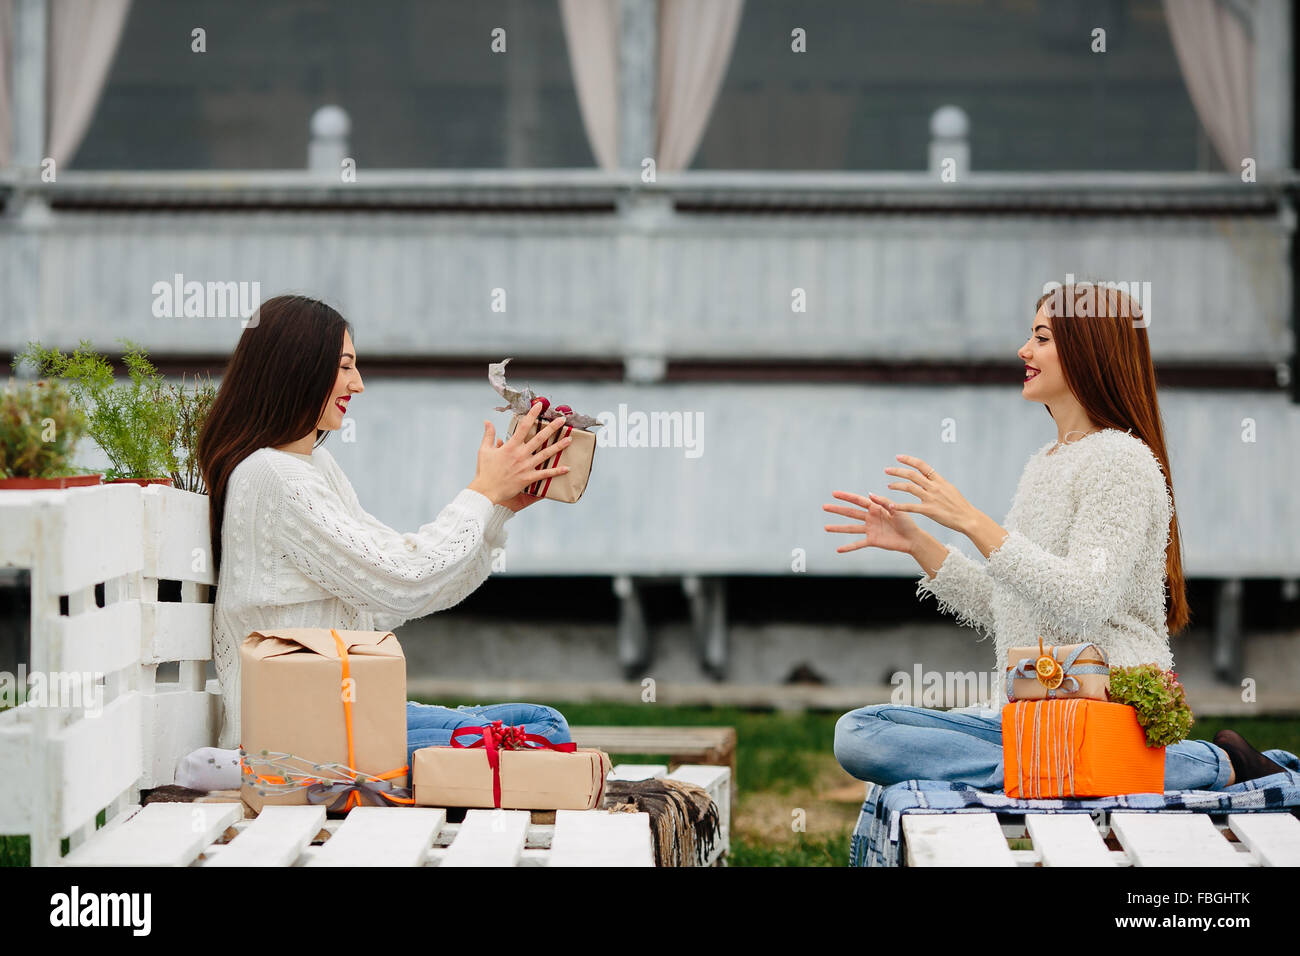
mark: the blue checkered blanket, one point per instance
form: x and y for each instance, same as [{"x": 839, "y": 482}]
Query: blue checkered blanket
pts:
[{"x": 877, "y": 837}]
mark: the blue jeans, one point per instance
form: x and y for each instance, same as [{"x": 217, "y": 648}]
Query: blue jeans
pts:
[
  {"x": 889, "y": 743},
  {"x": 431, "y": 725}
]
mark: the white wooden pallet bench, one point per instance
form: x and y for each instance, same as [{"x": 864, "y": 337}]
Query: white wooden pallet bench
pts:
[
  {"x": 1166, "y": 838},
  {"x": 99, "y": 557}
]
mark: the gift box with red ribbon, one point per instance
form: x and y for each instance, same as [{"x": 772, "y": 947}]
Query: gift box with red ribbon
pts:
[{"x": 497, "y": 765}]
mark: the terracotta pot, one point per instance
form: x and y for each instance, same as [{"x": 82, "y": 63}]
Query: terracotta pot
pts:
[
  {"x": 67, "y": 481},
  {"x": 140, "y": 481}
]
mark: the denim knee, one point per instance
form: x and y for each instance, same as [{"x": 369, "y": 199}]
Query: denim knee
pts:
[{"x": 859, "y": 747}]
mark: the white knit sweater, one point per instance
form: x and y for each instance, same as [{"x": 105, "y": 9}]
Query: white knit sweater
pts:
[
  {"x": 1084, "y": 559},
  {"x": 297, "y": 550}
]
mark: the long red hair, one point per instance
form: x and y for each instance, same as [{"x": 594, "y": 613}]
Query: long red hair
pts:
[{"x": 1101, "y": 338}]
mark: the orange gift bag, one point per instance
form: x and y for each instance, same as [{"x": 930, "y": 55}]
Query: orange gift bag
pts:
[{"x": 1077, "y": 748}]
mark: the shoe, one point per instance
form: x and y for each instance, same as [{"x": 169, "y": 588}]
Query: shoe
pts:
[{"x": 1247, "y": 762}]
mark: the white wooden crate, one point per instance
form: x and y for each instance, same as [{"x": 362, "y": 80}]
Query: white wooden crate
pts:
[
  {"x": 61, "y": 766},
  {"x": 1171, "y": 838}
]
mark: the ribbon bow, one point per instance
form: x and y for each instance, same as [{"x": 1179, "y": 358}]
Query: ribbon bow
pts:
[
  {"x": 370, "y": 790},
  {"x": 1053, "y": 673},
  {"x": 498, "y": 736}
]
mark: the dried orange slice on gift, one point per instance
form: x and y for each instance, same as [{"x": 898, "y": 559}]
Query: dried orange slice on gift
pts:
[{"x": 1048, "y": 668}]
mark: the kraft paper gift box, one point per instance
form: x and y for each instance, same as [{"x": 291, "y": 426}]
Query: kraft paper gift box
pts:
[
  {"x": 578, "y": 456},
  {"x": 1061, "y": 672},
  {"x": 1077, "y": 748},
  {"x": 296, "y": 700},
  {"x": 527, "y": 779}
]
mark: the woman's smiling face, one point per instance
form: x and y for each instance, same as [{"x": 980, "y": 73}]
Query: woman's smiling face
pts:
[
  {"x": 346, "y": 385},
  {"x": 1044, "y": 380}
]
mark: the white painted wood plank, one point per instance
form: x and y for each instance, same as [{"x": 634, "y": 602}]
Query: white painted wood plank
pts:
[
  {"x": 275, "y": 838},
  {"x": 489, "y": 838},
  {"x": 601, "y": 838},
  {"x": 175, "y": 539},
  {"x": 716, "y": 781},
  {"x": 637, "y": 771},
  {"x": 382, "y": 836},
  {"x": 161, "y": 834},
  {"x": 94, "y": 759},
  {"x": 955, "y": 839},
  {"x": 177, "y": 723},
  {"x": 1174, "y": 839},
  {"x": 83, "y": 541},
  {"x": 19, "y": 781},
  {"x": 175, "y": 631},
  {"x": 97, "y": 641},
  {"x": 1068, "y": 839},
  {"x": 1273, "y": 837}
]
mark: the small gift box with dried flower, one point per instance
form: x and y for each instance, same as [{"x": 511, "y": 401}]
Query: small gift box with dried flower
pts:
[
  {"x": 501, "y": 766},
  {"x": 578, "y": 456},
  {"x": 323, "y": 718},
  {"x": 1061, "y": 672},
  {"x": 1077, "y": 748}
]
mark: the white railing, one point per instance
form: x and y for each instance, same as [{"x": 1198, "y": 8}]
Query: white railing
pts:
[{"x": 66, "y": 757}]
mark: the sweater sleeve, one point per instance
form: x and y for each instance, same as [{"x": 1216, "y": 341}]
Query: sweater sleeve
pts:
[
  {"x": 1109, "y": 532},
  {"x": 962, "y": 587},
  {"x": 393, "y": 575}
]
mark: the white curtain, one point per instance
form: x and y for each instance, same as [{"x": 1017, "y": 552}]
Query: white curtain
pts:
[
  {"x": 83, "y": 38},
  {"x": 695, "y": 44},
  {"x": 591, "y": 32},
  {"x": 1217, "y": 60}
]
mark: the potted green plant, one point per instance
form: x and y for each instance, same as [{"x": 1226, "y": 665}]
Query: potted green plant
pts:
[
  {"x": 191, "y": 407},
  {"x": 133, "y": 423},
  {"x": 39, "y": 429}
]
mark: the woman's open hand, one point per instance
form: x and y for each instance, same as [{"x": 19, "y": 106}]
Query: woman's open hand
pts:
[
  {"x": 506, "y": 468},
  {"x": 879, "y": 527},
  {"x": 939, "y": 499}
]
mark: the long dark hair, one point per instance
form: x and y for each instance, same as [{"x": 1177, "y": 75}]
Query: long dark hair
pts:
[
  {"x": 274, "y": 390},
  {"x": 1101, "y": 337}
]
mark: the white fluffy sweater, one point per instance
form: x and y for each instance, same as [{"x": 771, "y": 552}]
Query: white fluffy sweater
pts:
[
  {"x": 297, "y": 550},
  {"x": 1084, "y": 559}
]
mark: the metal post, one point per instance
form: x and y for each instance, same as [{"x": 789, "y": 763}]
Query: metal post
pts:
[
  {"x": 1271, "y": 32},
  {"x": 638, "y": 48},
  {"x": 633, "y": 634},
  {"x": 1227, "y": 630}
]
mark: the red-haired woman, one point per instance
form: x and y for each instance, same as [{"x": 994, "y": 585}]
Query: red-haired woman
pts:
[{"x": 1086, "y": 553}]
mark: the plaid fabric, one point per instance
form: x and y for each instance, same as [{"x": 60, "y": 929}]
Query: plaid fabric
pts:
[{"x": 877, "y": 838}]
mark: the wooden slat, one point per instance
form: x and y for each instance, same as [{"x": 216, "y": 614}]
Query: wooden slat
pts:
[
  {"x": 1273, "y": 837},
  {"x": 489, "y": 838},
  {"x": 382, "y": 836},
  {"x": 601, "y": 838},
  {"x": 96, "y": 758},
  {"x": 175, "y": 631},
  {"x": 99, "y": 640},
  {"x": 1174, "y": 839},
  {"x": 637, "y": 771},
  {"x": 1068, "y": 839},
  {"x": 19, "y": 781},
  {"x": 177, "y": 723},
  {"x": 955, "y": 839},
  {"x": 645, "y": 739},
  {"x": 275, "y": 838},
  {"x": 83, "y": 543},
  {"x": 161, "y": 834},
  {"x": 175, "y": 525}
]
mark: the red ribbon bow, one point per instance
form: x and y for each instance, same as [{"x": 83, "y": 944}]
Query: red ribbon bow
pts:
[{"x": 498, "y": 736}]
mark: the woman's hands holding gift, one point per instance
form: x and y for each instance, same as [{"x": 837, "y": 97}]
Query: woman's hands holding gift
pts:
[{"x": 506, "y": 468}]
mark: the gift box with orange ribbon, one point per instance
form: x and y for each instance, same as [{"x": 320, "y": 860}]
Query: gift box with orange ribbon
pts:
[
  {"x": 323, "y": 718},
  {"x": 497, "y": 765},
  {"x": 1077, "y": 747}
]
